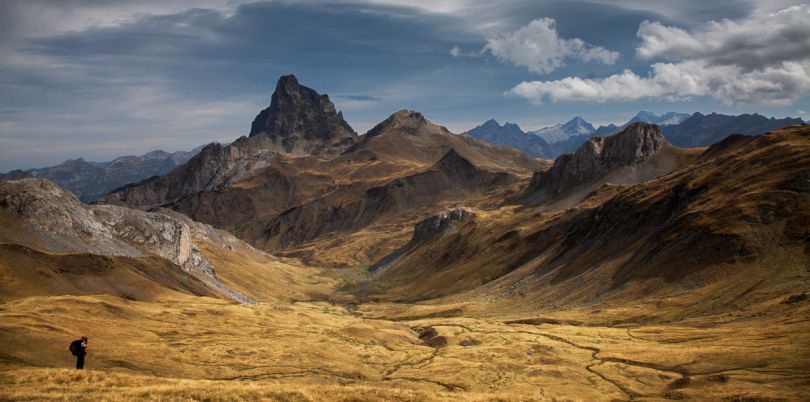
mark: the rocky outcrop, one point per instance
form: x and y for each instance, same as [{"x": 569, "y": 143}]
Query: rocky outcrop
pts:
[
  {"x": 301, "y": 121},
  {"x": 445, "y": 223},
  {"x": 598, "y": 157},
  {"x": 441, "y": 223},
  {"x": 90, "y": 180},
  {"x": 57, "y": 221}
]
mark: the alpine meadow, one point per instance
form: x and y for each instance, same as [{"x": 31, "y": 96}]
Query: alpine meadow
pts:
[{"x": 434, "y": 201}]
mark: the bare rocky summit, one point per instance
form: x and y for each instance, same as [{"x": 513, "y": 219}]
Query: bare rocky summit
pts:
[
  {"x": 636, "y": 144},
  {"x": 303, "y": 122}
]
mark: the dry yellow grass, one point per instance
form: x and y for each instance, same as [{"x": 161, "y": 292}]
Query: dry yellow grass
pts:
[
  {"x": 93, "y": 385},
  {"x": 207, "y": 349}
]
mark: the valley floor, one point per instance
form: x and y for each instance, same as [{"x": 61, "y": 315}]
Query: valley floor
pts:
[{"x": 207, "y": 349}]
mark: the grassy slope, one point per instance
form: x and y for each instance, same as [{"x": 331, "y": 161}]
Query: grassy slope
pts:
[{"x": 736, "y": 337}]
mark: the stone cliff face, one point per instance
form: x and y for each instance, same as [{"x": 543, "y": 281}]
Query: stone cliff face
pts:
[
  {"x": 301, "y": 121},
  {"x": 59, "y": 222},
  {"x": 599, "y": 156}
]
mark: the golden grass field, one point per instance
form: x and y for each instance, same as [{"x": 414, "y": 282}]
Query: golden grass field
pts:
[
  {"x": 734, "y": 330},
  {"x": 198, "y": 348}
]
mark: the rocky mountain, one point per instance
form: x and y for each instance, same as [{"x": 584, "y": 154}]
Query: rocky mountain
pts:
[
  {"x": 681, "y": 129},
  {"x": 52, "y": 244},
  {"x": 91, "y": 180},
  {"x": 302, "y": 122},
  {"x": 46, "y": 217},
  {"x": 577, "y": 126},
  {"x": 708, "y": 231},
  {"x": 701, "y": 130},
  {"x": 637, "y": 153},
  {"x": 400, "y": 171},
  {"x": 510, "y": 135},
  {"x": 299, "y": 121}
]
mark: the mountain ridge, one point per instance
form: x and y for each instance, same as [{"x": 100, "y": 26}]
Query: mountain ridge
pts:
[{"x": 91, "y": 180}]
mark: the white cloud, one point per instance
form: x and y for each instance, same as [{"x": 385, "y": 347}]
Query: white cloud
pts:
[
  {"x": 761, "y": 60},
  {"x": 538, "y": 47},
  {"x": 752, "y": 43},
  {"x": 773, "y": 85}
]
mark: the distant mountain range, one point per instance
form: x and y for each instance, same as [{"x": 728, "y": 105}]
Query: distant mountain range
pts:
[
  {"x": 681, "y": 129},
  {"x": 91, "y": 180},
  {"x": 510, "y": 134},
  {"x": 701, "y": 130}
]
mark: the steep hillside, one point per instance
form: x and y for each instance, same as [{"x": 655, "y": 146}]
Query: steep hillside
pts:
[
  {"x": 54, "y": 244},
  {"x": 734, "y": 219},
  {"x": 316, "y": 127}
]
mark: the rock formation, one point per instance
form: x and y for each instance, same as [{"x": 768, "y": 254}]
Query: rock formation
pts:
[
  {"x": 599, "y": 156},
  {"x": 57, "y": 221},
  {"x": 300, "y": 121}
]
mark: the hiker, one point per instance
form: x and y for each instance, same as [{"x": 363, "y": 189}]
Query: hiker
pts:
[{"x": 79, "y": 349}]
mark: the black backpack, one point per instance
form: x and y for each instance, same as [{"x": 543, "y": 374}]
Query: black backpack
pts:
[{"x": 75, "y": 346}]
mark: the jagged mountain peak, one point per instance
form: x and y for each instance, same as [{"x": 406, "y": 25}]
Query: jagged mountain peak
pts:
[
  {"x": 578, "y": 125},
  {"x": 511, "y": 135},
  {"x": 301, "y": 120},
  {"x": 635, "y": 144}
]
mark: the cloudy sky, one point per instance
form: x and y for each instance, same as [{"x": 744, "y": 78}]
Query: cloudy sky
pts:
[{"x": 100, "y": 79}]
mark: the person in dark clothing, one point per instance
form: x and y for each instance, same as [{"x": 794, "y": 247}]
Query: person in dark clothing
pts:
[{"x": 79, "y": 349}]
